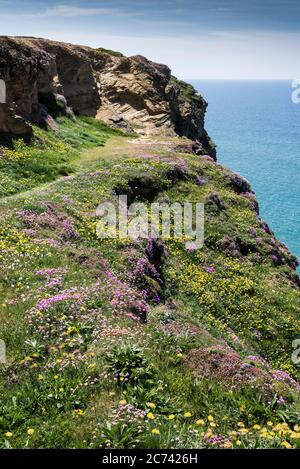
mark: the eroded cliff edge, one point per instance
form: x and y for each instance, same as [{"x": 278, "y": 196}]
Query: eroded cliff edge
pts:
[{"x": 45, "y": 78}]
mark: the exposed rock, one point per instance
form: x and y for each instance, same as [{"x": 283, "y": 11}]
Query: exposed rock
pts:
[
  {"x": 56, "y": 104},
  {"x": 237, "y": 247},
  {"x": 279, "y": 254},
  {"x": 156, "y": 253},
  {"x": 183, "y": 148},
  {"x": 214, "y": 199},
  {"x": 118, "y": 122},
  {"x": 253, "y": 203},
  {"x": 266, "y": 227},
  {"x": 200, "y": 181},
  {"x": 44, "y": 119},
  {"x": 225, "y": 365},
  {"x": 26, "y": 70},
  {"x": 239, "y": 183},
  {"x": 208, "y": 158},
  {"x": 143, "y": 188},
  {"x": 252, "y": 232},
  {"x": 229, "y": 247},
  {"x": 200, "y": 148},
  {"x": 179, "y": 172},
  {"x": 11, "y": 124},
  {"x": 126, "y": 92}
]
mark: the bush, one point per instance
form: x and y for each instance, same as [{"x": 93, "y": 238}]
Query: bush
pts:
[{"x": 128, "y": 364}]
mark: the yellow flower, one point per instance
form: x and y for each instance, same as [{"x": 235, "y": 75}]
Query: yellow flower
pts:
[
  {"x": 212, "y": 424},
  {"x": 151, "y": 405},
  {"x": 270, "y": 424},
  {"x": 243, "y": 431},
  {"x": 256, "y": 427},
  {"x": 55, "y": 377},
  {"x": 286, "y": 445},
  {"x": 30, "y": 431},
  {"x": 265, "y": 434},
  {"x": 8, "y": 434},
  {"x": 179, "y": 355},
  {"x": 150, "y": 416},
  {"x": 227, "y": 444},
  {"x": 187, "y": 415},
  {"x": 78, "y": 412},
  {"x": 238, "y": 442},
  {"x": 240, "y": 424},
  {"x": 171, "y": 417},
  {"x": 200, "y": 422},
  {"x": 155, "y": 431},
  {"x": 122, "y": 402},
  {"x": 210, "y": 418}
]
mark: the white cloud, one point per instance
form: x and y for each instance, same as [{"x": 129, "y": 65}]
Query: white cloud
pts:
[
  {"x": 218, "y": 55},
  {"x": 73, "y": 11},
  {"x": 68, "y": 11}
]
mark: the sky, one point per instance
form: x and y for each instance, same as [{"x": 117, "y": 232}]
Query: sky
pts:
[{"x": 198, "y": 39}]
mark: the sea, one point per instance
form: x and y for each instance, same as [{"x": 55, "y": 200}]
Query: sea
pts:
[{"x": 256, "y": 126}]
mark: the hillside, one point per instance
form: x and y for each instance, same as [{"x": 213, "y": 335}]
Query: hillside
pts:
[
  {"x": 48, "y": 78},
  {"x": 122, "y": 343}
]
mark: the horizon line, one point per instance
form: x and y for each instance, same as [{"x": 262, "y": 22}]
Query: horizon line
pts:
[{"x": 238, "y": 79}]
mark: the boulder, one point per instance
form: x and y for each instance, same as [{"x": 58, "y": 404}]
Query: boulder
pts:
[
  {"x": 239, "y": 183},
  {"x": 214, "y": 199}
]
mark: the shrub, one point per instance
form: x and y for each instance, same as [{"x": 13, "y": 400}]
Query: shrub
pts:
[{"x": 128, "y": 364}]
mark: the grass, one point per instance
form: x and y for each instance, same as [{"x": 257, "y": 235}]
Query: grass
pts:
[
  {"x": 83, "y": 369},
  {"x": 110, "y": 52},
  {"x": 50, "y": 155}
]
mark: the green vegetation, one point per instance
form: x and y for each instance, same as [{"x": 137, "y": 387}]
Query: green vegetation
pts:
[
  {"x": 51, "y": 154},
  {"x": 187, "y": 91},
  {"x": 110, "y": 52},
  {"x": 210, "y": 367}
]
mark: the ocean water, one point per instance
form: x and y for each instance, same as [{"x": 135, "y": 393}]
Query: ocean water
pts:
[{"x": 256, "y": 127}]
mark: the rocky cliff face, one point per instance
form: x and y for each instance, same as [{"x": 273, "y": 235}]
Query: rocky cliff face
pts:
[{"x": 46, "y": 78}]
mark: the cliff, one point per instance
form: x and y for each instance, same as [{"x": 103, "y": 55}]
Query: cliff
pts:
[
  {"x": 46, "y": 78},
  {"x": 117, "y": 342}
]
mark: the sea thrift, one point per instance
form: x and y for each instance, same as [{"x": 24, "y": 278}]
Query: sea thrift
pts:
[{"x": 284, "y": 377}]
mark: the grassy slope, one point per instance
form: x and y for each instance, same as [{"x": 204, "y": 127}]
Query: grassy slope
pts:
[
  {"x": 82, "y": 370},
  {"x": 51, "y": 155}
]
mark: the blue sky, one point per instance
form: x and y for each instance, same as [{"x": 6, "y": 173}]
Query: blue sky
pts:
[{"x": 222, "y": 39}]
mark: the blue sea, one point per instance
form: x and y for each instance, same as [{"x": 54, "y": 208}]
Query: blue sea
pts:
[{"x": 256, "y": 127}]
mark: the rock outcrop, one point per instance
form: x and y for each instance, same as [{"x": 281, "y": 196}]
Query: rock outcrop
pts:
[{"x": 46, "y": 78}]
